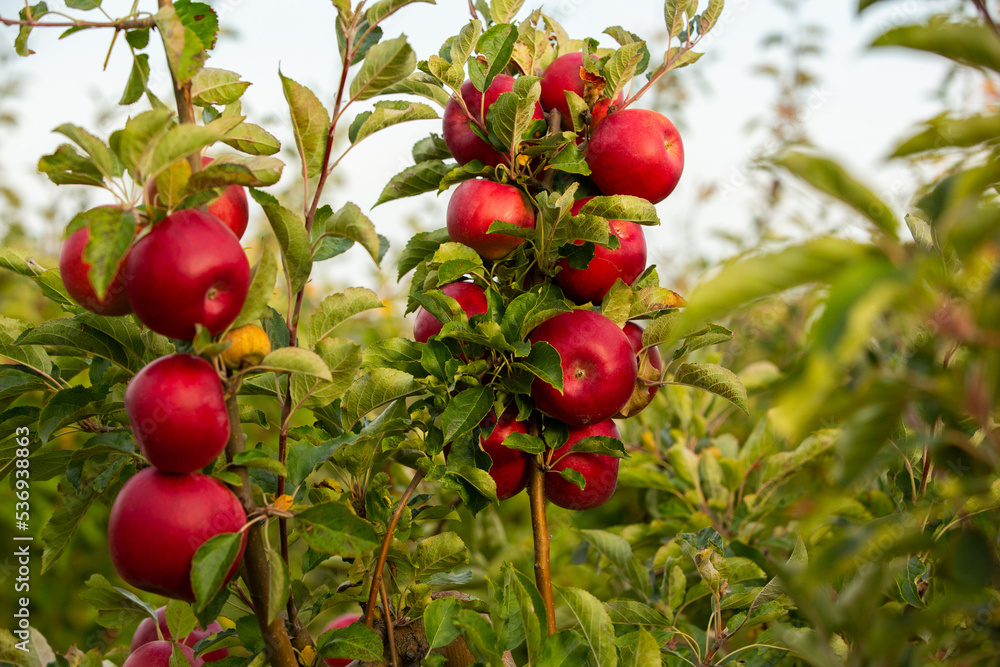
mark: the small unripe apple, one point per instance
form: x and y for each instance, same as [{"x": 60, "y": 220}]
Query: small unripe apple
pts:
[
  {"x": 471, "y": 297},
  {"x": 599, "y": 471},
  {"x": 636, "y": 152},
  {"x": 189, "y": 269},
  {"x": 341, "y": 621},
  {"x": 74, "y": 270},
  {"x": 160, "y": 519},
  {"x": 627, "y": 262},
  {"x": 157, "y": 654},
  {"x": 476, "y": 204},
  {"x": 231, "y": 207},
  {"x": 464, "y": 144},
  {"x": 146, "y": 633},
  {"x": 564, "y": 75},
  {"x": 177, "y": 408},
  {"x": 650, "y": 368},
  {"x": 598, "y": 364},
  {"x": 249, "y": 344}
]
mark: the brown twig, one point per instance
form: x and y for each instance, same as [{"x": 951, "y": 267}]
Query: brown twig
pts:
[
  {"x": 182, "y": 95},
  {"x": 121, "y": 24},
  {"x": 255, "y": 567},
  {"x": 384, "y": 551},
  {"x": 540, "y": 534},
  {"x": 390, "y": 632},
  {"x": 985, "y": 13}
]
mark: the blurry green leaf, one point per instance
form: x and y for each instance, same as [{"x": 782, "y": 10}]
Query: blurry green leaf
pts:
[
  {"x": 350, "y": 223},
  {"x": 440, "y": 553},
  {"x": 617, "y": 550},
  {"x": 37, "y": 10},
  {"x": 594, "y": 623},
  {"x": 968, "y": 43},
  {"x": 332, "y": 528},
  {"x": 67, "y": 167},
  {"x": 355, "y": 642},
  {"x": 297, "y": 360},
  {"x": 338, "y": 308},
  {"x": 291, "y": 233},
  {"x": 439, "y": 622},
  {"x": 261, "y": 289},
  {"x": 62, "y": 525},
  {"x": 830, "y": 178},
  {"x": 945, "y": 132},
  {"x": 116, "y": 608}
]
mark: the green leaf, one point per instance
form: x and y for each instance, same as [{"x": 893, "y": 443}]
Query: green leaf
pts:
[
  {"x": 94, "y": 148},
  {"x": 200, "y": 18},
  {"x": 830, "y": 178},
  {"x": 715, "y": 379},
  {"x": 439, "y": 622},
  {"x": 310, "y": 123},
  {"x": 673, "y": 14},
  {"x": 422, "y": 177},
  {"x": 290, "y": 231},
  {"x": 67, "y": 167},
  {"x": 530, "y": 444},
  {"x": 38, "y": 10},
  {"x": 968, "y": 43},
  {"x": 375, "y": 389},
  {"x": 622, "y": 207},
  {"x": 184, "y": 48},
  {"x": 350, "y": 223},
  {"x": 252, "y": 140},
  {"x": 343, "y": 358},
  {"x": 260, "y": 459},
  {"x": 179, "y": 142},
  {"x": 111, "y": 232},
  {"x": 278, "y": 585},
  {"x": 512, "y": 114},
  {"x": 81, "y": 333},
  {"x": 528, "y": 310},
  {"x": 137, "y": 81},
  {"x": 355, "y": 642},
  {"x": 116, "y": 608},
  {"x": 594, "y": 623},
  {"x": 297, "y": 360},
  {"x": 387, "y": 114},
  {"x": 464, "y": 43},
  {"x": 621, "y": 67},
  {"x": 332, "y": 528},
  {"x": 630, "y": 612},
  {"x": 212, "y": 562},
  {"x": 216, "y": 86},
  {"x": 180, "y": 618},
  {"x": 465, "y": 411},
  {"x": 545, "y": 363},
  {"x": 385, "y": 64},
  {"x": 945, "y": 132},
  {"x": 339, "y": 307},
  {"x": 617, "y": 550},
  {"x": 503, "y": 11},
  {"x": 135, "y": 143},
  {"x": 384, "y": 8},
  {"x": 261, "y": 289},
  {"x": 480, "y": 638},
  {"x": 647, "y": 651},
  {"x": 711, "y": 15},
  {"x": 496, "y": 45},
  {"x": 420, "y": 84}
]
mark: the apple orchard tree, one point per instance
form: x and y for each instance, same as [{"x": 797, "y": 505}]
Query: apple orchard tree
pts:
[{"x": 538, "y": 324}]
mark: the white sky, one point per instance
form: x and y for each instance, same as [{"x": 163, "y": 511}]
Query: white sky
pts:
[{"x": 865, "y": 102}]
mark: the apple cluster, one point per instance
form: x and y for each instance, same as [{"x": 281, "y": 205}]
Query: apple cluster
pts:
[
  {"x": 149, "y": 650},
  {"x": 606, "y": 372}
]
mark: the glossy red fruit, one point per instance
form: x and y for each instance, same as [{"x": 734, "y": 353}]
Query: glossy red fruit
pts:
[
  {"x": 476, "y": 204},
  {"x": 189, "y": 269},
  {"x": 177, "y": 408},
  {"x": 564, "y": 75},
  {"x": 510, "y": 466},
  {"x": 464, "y": 144},
  {"x": 471, "y": 297},
  {"x": 74, "y": 269},
  {"x": 599, "y": 368},
  {"x": 625, "y": 262},
  {"x": 231, "y": 207},
  {"x": 341, "y": 621},
  {"x": 159, "y": 520},
  {"x": 146, "y": 633},
  {"x": 636, "y": 152},
  {"x": 599, "y": 471},
  {"x": 157, "y": 654}
]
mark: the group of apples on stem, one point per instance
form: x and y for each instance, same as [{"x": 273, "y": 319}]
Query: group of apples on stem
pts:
[{"x": 629, "y": 152}]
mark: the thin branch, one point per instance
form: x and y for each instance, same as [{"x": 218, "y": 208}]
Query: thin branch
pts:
[
  {"x": 384, "y": 551},
  {"x": 389, "y": 622},
  {"x": 121, "y": 24},
  {"x": 540, "y": 534}
]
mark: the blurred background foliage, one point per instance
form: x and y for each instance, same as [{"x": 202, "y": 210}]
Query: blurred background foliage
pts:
[{"x": 865, "y": 475}]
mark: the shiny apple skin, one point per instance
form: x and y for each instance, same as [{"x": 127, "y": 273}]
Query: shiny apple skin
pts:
[
  {"x": 74, "y": 270},
  {"x": 599, "y": 471},
  {"x": 146, "y": 633},
  {"x": 564, "y": 75},
  {"x": 476, "y": 204},
  {"x": 157, "y": 654}
]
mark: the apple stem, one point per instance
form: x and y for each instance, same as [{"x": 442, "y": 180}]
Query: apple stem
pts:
[
  {"x": 540, "y": 534},
  {"x": 384, "y": 551},
  {"x": 255, "y": 568},
  {"x": 389, "y": 630}
]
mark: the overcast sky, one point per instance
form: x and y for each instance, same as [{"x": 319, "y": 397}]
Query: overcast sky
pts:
[{"x": 864, "y": 102}]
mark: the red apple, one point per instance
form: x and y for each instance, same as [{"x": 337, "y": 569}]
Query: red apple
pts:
[
  {"x": 189, "y": 269},
  {"x": 625, "y": 262},
  {"x": 464, "y": 144},
  {"x": 650, "y": 368},
  {"x": 564, "y": 75},
  {"x": 636, "y": 152},
  {"x": 599, "y": 471},
  {"x": 471, "y": 297},
  {"x": 476, "y": 204},
  {"x": 159, "y": 520},
  {"x": 341, "y": 621},
  {"x": 231, "y": 206},
  {"x": 177, "y": 409},
  {"x": 146, "y": 633},
  {"x": 598, "y": 364},
  {"x": 157, "y": 654},
  {"x": 74, "y": 270},
  {"x": 510, "y": 466}
]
